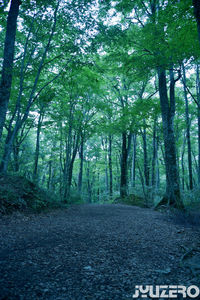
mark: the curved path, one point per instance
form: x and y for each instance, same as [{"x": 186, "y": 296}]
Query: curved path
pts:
[{"x": 91, "y": 252}]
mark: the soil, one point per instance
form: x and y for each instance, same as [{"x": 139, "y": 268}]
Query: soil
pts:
[{"x": 94, "y": 252}]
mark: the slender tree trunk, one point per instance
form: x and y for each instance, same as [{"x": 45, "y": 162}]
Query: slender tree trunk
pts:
[
  {"x": 118, "y": 172},
  {"x": 68, "y": 150},
  {"x": 49, "y": 175},
  {"x": 123, "y": 182},
  {"x": 133, "y": 169},
  {"x": 8, "y": 148},
  {"x": 188, "y": 131},
  {"x": 110, "y": 166},
  {"x": 80, "y": 175},
  {"x": 37, "y": 147},
  {"x": 168, "y": 112},
  {"x": 146, "y": 163},
  {"x": 8, "y": 57},
  {"x": 106, "y": 167},
  {"x": 89, "y": 189},
  {"x": 153, "y": 175},
  {"x": 16, "y": 157},
  {"x": 178, "y": 152},
  {"x": 143, "y": 184},
  {"x": 43, "y": 179},
  {"x": 182, "y": 164},
  {"x": 98, "y": 188},
  {"x": 75, "y": 150},
  {"x": 157, "y": 170},
  {"x": 16, "y": 146},
  {"x": 126, "y": 142},
  {"x": 196, "y": 4},
  {"x": 104, "y": 143},
  {"x": 198, "y": 117}
]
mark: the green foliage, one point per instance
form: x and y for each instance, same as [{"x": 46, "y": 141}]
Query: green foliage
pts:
[
  {"x": 192, "y": 200},
  {"x": 98, "y": 80},
  {"x": 133, "y": 200},
  {"x": 75, "y": 198},
  {"x": 18, "y": 193}
]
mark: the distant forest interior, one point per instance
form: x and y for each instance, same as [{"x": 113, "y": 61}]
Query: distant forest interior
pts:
[{"x": 99, "y": 103}]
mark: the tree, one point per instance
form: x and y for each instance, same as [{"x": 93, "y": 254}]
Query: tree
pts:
[
  {"x": 168, "y": 113},
  {"x": 188, "y": 130},
  {"x": 196, "y": 5},
  {"x": 19, "y": 117},
  {"x": 96, "y": 107},
  {"x": 8, "y": 57}
]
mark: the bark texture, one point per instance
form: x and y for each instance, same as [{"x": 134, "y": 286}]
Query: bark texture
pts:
[
  {"x": 188, "y": 132},
  {"x": 80, "y": 175},
  {"x": 37, "y": 146},
  {"x": 198, "y": 118},
  {"x": 110, "y": 166},
  {"x": 168, "y": 113},
  {"x": 196, "y": 4},
  {"x": 126, "y": 141},
  {"x": 8, "y": 57},
  {"x": 146, "y": 162}
]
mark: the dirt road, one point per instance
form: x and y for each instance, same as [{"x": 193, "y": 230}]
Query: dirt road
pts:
[{"x": 91, "y": 252}]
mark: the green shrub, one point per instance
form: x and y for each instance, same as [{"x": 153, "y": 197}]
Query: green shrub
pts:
[
  {"x": 132, "y": 199},
  {"x": 19, "y": 193}
]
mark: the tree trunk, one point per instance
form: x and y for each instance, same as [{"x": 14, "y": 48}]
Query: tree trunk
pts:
[
  {"x": 8, "y": 57},
  {"x": 37, "y": 147},
  {"x": 16, "y": 157},
  {"x": 124, "y": 164},
  {"x": 188, "y": 131},
  {"x": 75, "y": 150},
  {"x": 98, "y": 187},
  {"x": 49, "y": 174},
  {"x": 89, "y": 188},
  {"x": 183, "y": 165},
  {"x": 80, "y": 175},
  {"x": 133, "y": 169},
  {"x": 68, "y": 150},
  {"x": 146, "y": 164},
  {"x": 157, "y": 170},
  {"x": 198, "y": 117},
  {"x": 110, "y": 166},
  {"x": 123, "y": 182},
  {"x": 106, "y": 167},
  {"x": 104, "y": 143},
  {"x": 69, "y": 164},
  {"x": 153, "y": 175},
  {"x": 196, "y": 4},
  {"x": 8, "y": 148},
  {"x": 168, "y": 112}
]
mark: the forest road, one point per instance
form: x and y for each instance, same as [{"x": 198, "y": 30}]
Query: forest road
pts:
[{"x": 91, "y": 252}]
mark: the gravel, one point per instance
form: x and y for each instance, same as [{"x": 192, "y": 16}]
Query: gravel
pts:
[{"x": 93, "y": 252}]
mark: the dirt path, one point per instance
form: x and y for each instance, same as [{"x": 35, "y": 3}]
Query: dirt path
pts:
[{"x": 91, "y": 252}]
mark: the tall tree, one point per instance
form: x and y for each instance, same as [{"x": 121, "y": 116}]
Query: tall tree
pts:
[
  {"x": 110, "y": 166},
  {"x": 8, "y": 57},
  {"x": 19, "y": 118},
  {"x": 196, "y": 5},
  {"x": 168, "y": 114},
  {"x": 188, "y": 130}
]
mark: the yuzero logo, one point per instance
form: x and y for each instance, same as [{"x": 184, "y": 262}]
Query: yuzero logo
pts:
[{"x": 166, "y": 291}]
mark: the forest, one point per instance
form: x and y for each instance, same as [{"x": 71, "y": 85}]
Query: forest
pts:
[
  {"x": 99, "y": 149},
  {"x": 100, "y": 100}
]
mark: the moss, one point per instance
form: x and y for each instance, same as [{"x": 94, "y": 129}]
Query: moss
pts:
[
  {"x": 19, "y": 193},
  {"x": 132, "y": 199}
]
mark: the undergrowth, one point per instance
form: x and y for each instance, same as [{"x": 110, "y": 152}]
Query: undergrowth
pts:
[{"x": 19, "y": 193}]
